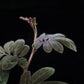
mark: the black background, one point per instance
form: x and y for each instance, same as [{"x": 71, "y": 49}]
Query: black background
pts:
[{"x": 52, "y": 17}]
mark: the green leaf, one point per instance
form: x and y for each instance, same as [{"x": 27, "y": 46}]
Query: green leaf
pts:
[
  {"x": 57, "y": 46},
  {"x": 42, "y": 74},
  {"x": 22, "y": 62},
  {"x": 26, "y": 78},
  {"x": 18, "y": 46},
  {"x": 68, "y": 43},
  {"x": 53, "y": 82},
  {"x": 8, "y": 62},
  {"x": 29, "y": 80},
  {"x": 9, "y": 47},
  {"x": 0, "y": 65},
  {"x": 24, "y": 51},
  {"x": 2, "y": 52},
  {"x": 47, "y": 47},
  {"x": 4, "y": 75}
]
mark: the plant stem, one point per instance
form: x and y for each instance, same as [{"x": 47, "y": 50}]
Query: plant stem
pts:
[
  {"x": 33, "y": 50},
  {"x": 30, "y": 58}
]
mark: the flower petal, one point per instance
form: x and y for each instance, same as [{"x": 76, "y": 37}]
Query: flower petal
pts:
[
  {"x": 68, "y": 43},
  {"x": 47, "y": 47},
  {"x": 57, "y": 46}
]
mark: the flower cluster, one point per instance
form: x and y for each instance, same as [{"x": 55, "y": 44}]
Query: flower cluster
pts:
[
  {"x": 31, "y": 21},
  {"x": 54, "y": 41}
]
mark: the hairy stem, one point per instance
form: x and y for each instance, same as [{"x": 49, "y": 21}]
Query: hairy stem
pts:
[{"x": 33, "y": 50}]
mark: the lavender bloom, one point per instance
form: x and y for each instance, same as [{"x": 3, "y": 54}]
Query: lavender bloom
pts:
[{"x": 54, "y": 41}]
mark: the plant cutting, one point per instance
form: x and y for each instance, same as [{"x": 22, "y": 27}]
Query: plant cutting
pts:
[{"x": 13, "y": 52}]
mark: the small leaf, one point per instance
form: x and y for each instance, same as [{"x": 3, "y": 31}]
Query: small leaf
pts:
[
  {"x": 53, "y": 82},
  {"x": 2, "y": 52},
  {"x": 4, "y": 75},
  {"x": 47, "y": 47},
  {"x": 9, "y": 47},
  {"x": 26, "y": 78},
  {"x": 37, "y": 44},
  {"x": 22, "y": 62},
  {"x": 0, "y": 65},
  {"x": 57, "y": 46},
  {"x": 29, "y": 80},
  {"x": 58, "y": 35},
  {"x": 24, "y": 51},
  {"x": 18, "y": 46},
  {"x": 8, "y": 62},
  {"x": 42, "y": 74},
  {"x": 68, "y": 43}
]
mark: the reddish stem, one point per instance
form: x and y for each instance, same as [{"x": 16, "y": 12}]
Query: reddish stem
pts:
[{"x": 33, "y": 50}]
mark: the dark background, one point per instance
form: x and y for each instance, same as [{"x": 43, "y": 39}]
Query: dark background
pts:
[{"x": 52, "y": 17}]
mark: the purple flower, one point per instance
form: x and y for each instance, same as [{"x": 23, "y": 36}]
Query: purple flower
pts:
[{"x": 54, "y": 41}]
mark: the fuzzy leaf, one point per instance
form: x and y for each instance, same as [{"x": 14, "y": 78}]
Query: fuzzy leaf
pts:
[
  {"x": 37, "y": 44},
  {"x": 68, "y": 43},
  {"x": 26, "y": 78},
  {"x": 24, "y": 51},
  {"x": 9, "y": 47},
  {"x": 58, "y": 35},
  {"x": 2, "y": 52},
  {"x": 53, "y": 82},
  {"x": 29, "y": 80},
  {"x": 42, "y": 74},
  {"x": 18, "y": 46},
  {"x": 0, "y": 65},
  {"x": 57, "y": 46},
  {"x": 4, "y": 75},
  {"x": 47, "y": 47},
  {"x": 22, "y": 62},
  {"x": 8, "y": 62}
]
